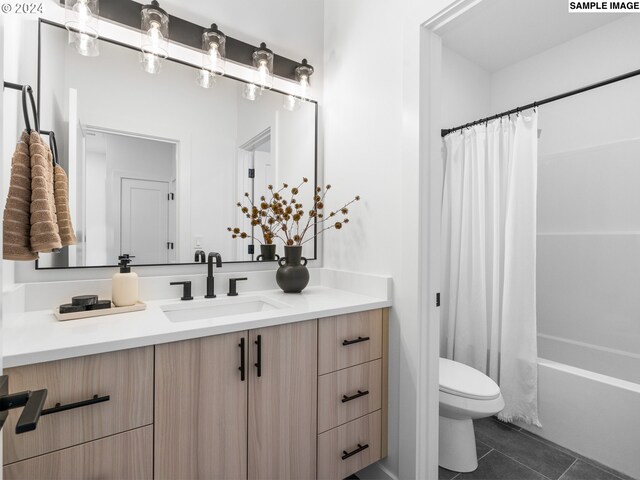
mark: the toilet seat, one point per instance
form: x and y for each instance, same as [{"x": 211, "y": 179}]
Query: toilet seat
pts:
[{"x": 463, "y": 381}]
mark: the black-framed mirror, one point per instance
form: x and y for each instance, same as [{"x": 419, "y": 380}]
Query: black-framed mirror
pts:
[{"x": 156, "y": 163}]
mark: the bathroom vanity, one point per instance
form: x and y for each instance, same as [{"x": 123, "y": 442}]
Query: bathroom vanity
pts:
[{"x": 293, "y": 392}]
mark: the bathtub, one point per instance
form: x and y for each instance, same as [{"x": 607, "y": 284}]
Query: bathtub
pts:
[{"x": 589, "y": 401}]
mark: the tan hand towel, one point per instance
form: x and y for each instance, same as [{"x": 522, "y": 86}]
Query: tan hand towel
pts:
[
  {"x": 45, "y": 235},
  {"x": 17, "y": 223},
  {"x": 61, "y": 193}
]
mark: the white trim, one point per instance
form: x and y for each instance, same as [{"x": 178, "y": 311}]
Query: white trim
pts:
[
  {"x": 124, "y": 133},
  {"x": 429, "y": 255},
  {"x": 450, "y": 13},
  {"x": 386, "y": 471},
  {"x": 430, "y": 200}
]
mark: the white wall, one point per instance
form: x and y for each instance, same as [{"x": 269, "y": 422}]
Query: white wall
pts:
[
  {"x": 372, "y": 148},
  {"x": 466, "y": 90},
  {"x": 588, "y": 201}
]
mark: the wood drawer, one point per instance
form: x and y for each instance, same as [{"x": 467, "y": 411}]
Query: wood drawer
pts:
[
  {"x": 348, "y": 340},
  {"x": 332, "y": 445},
  {"x": 124, "y": 456},
  {"x": 332, "y": 387},
  {"x": 126, "y": 376}
]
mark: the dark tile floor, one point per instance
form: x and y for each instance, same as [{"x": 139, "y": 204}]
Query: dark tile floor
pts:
[{"x": 506, "y": 452}]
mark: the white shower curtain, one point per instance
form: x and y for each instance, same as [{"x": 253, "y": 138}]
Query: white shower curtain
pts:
[{"x": 489, "y": 263}]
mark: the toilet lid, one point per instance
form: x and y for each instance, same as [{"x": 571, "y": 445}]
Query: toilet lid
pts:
[{"x": 459, "y": 379}]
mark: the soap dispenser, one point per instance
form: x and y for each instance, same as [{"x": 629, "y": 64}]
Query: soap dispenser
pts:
[{"x": 125, "y": 284}]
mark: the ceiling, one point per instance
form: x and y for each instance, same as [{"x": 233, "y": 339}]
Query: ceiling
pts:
[{"x": 497, "y": 33}]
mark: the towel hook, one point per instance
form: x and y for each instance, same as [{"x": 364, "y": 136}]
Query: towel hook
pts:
[
  {"x": 53, "y": 145},
  {"x": 27, "y": 90}
]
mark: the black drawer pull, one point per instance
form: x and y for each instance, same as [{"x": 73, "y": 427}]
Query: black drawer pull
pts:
[
  {"x": 258, "y": 364},
  {"x": 71, "y": 406},
  {"x": 354, "y": 452},
  {"x": 241, "y": 367},
  {"x": 357, "y": 340},
  {"x": 346, "y": 398}
]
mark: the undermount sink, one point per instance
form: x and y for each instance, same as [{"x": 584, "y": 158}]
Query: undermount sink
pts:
[{"x": 219, "y": 307}]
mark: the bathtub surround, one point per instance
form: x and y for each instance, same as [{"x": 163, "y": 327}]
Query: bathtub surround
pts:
[{"x": 489, "y": 245}]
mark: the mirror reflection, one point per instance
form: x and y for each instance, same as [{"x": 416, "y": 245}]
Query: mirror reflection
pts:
[{"x": 156, "y": 163}]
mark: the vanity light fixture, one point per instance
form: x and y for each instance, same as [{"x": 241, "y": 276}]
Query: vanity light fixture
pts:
[
  {"x": 213, "y": 56},
  {"x": 81, "y": 20},
  {"x": 291, "y": 103},
  {"x": 263, "y": 61},
  {"x": 250, "y": 92},
  {"x": 303, "y": 72},
  {"x": 155, "y": 34}
]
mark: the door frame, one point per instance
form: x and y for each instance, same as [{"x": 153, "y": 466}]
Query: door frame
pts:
[
  {"x": 183, "y": 181},
  {"x": 245, "y": 161},
  {"x": 430, "y": 200}
]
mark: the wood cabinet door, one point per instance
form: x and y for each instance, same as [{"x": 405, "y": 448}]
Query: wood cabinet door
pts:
[
  {"x": 125, "y": 456},
  {"x": 201, "y": 409},
  {"x": 126, "y": 377},
  {"x": 283, "y": 401}
]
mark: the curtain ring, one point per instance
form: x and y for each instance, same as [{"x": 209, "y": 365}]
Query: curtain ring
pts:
[{"x": 27, "y": 90}]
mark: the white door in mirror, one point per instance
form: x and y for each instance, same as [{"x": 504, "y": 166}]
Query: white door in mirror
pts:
[{"x": 145, "y": 220}]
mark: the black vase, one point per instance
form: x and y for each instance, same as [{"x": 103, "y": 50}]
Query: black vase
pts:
[
  {"x": 267, "y": 253},
  {"x": 292, "y": 276}
]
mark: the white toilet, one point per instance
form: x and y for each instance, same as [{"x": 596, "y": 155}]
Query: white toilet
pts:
[{"x": 465, "y": 394}]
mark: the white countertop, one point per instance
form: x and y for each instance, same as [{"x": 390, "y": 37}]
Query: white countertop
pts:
[{"x": 35, "y": 337}]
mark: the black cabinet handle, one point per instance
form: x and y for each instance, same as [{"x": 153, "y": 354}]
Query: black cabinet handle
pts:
[
  {"x": 241, "y": 367},
  {"x": 32, "y": 412},
  {"x": 357, "y": 340},
  {"x": 360, "y": 393},
  {"x": 31, "y": 401},
  {"x": 70, "y": 406},
  {"x": 354, "y": 452},
  {"x": 258, "y": 364}
]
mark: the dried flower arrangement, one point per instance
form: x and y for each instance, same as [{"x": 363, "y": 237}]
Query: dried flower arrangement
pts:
[
  {"x": 282, "y": 216},
  {"x": 260, "y": 217}
]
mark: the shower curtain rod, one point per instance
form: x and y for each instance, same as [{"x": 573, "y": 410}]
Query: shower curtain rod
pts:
[{"x": 593, "y": 86}]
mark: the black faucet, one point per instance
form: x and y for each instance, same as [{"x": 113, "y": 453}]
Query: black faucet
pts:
[
  {"x": 186, "y": 290},
  {"x": 210, "y": 284},
  {"x": 233, "y": 292},
  {"x": 199, "y": 256}
]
